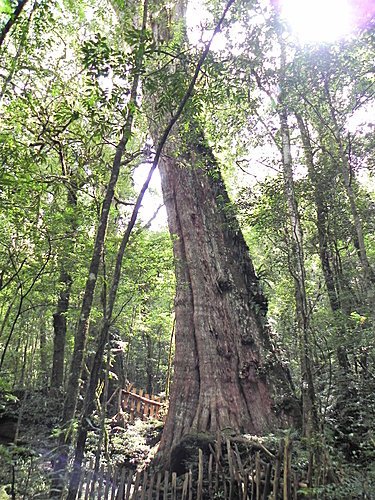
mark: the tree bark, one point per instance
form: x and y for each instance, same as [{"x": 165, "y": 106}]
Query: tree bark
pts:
[
  {"x": 21, "y": 47},
  {"x": 226, "y": 373},
  {"x": 149, "y": 347},
  {"x": 321, "y": 223},
  {"x": 59, "y": 330},
  {"x": 88, "y": 297},
  {"x": 225, "y": 369},
  {"x": 65, "y": 281},
  {"x": 297, "y": 267},
  {"x": 43, "y": 354}
]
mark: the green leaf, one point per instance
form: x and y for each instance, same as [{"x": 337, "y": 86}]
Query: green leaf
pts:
[{"x": 5, "y": 7}]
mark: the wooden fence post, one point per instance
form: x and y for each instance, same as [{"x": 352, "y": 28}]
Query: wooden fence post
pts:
[
  {"x": 166, "y": 485},
  {"x": 287, "y": 468},
  {"x": 107, "y": 482},
  {"x": 185, "y": 487},
  {"x": 257, "y": 475},
  {"x": 174, "y": 486},
  {"x": 190, "y": 485},
  {"x": 143, "y": 487},
  {"x": 90, "y": 481},
  {"x": 100, "y": 482},
  {"x": 230, "y": 466},
  {"x": 127, "y": 486},
  {"x": 158, "y": 483},
  {"x": 81, "y": 483},
  {"x": 115, "y": 480},
  {"x": 210, "y": 463},
  {"x": 276, "y": 477},
  {"x": 267, "y": 482},
  {"x": 151, "y": 486},
  {"x": 200, "y": 475}
]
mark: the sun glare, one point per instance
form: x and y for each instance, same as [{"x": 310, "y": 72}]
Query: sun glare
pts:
[{"x": 318, "y": 20}]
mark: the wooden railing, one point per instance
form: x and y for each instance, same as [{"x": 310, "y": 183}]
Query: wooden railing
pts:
[
  {"x": 224, "y": 474},
  {"x": 141, "y": 405}
]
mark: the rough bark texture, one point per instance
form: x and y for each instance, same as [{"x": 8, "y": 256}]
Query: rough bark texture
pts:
[{"x": 225, "y": 368}]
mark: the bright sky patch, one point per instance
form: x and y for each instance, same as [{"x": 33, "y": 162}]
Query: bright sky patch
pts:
[
  {"x": 326, "y": 20},
  {"x": 318, "y": 20}
]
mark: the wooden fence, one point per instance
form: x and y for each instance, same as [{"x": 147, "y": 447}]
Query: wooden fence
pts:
[
  {"x": 225, "y": 473},
  {"x": 141, "y": 405}
]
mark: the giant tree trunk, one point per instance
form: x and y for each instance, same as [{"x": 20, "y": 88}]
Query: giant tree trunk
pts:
[
  {"x": 226, "y": 373},
  {"x": 225, "y": 369}
]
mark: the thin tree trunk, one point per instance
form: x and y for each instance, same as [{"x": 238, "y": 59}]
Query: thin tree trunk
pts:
[
  {"x": 103, "y": 414},
  {"x": 321, "y": 217},
  {"x": 20, "y": 49},
  {"x": 103, "y": 337},
  {"x": 23, "y": 295},
  {"x": 59, "y": 330},
  {"x": 297, "y": 261},
  {"x": 88, "y": 297},
  {"x": 149, "y": 363},
  {"x": 324, "y": 253},
  {"x": 65, "y": 282},
  {"x": 348, "y": 179},
  {"x": 83, "y": 325},
  {"x": 43, "y": 354},
  {"x": 12, "y": 20}
]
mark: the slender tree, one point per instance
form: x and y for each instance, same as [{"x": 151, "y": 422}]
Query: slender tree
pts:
[
  {"x": 297, "y": 260},
  {"x": 65, "y": 284},
  {"x": 12, "y": 20},
  {"x": 88, "y": 296}
]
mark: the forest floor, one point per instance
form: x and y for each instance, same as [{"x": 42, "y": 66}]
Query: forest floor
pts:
[
  {"x": 29, "y": 431},
  {"x": 31, "y": 421}
]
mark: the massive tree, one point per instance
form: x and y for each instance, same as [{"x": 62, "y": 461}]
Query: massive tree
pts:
[{"x": 226, "y": 372}]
